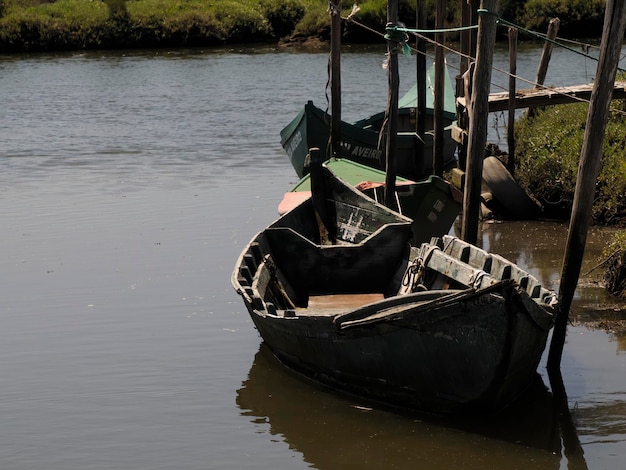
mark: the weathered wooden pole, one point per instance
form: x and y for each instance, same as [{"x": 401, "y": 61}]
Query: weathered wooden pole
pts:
[
  {"x": 462, "y": 90},
  {"x": 588, "y": 167},
  {"x": 478, "y": 117},
  {"x": 335, "y": 77},
  {"x": 468, "y": 36},
  {"x": 510, "y": 135},
  {"x": 440, "y": 70},
  {"x": 420, "y": 123},
  {"x": 391, "y": 114},
  {"x": 546, "y": 54}
]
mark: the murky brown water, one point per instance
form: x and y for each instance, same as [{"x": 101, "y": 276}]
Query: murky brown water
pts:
[{"x": 129, "y": 183}]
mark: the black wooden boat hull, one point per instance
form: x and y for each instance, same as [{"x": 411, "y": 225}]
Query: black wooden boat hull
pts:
[{"x": 477, "y": 356}]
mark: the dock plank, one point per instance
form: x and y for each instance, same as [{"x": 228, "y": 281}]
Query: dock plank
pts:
[{"x": 530, "y": 98}]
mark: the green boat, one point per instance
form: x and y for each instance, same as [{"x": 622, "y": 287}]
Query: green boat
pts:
[
  {"x": 361, "y": 142},
  {"x": 433, "y": 204}
]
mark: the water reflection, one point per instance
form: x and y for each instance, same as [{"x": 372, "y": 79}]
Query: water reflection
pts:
[
  {"x": 336, "y": 432},
  {"x": 538, "y": 247}
]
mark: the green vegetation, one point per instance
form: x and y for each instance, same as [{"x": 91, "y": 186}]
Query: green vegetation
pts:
[
  {"x": 615, "y": 266},
  {"x": 90, "y": 24},
  {"x": 80, "y": 24},
  {"x": 548, "y": 149},
  {"x": 578, "y": 17}
]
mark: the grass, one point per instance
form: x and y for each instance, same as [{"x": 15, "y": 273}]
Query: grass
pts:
[
  {"x": 83, "y": 24},
  {"x": 548, "y": 150}
]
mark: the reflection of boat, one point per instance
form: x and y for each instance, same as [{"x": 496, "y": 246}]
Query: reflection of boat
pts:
[
  {"x": 332, "y": 291},
  {"x": 433, "y": 203},
  {"x": 331, "y": 432},
  {"x": 361, "y": 142}
]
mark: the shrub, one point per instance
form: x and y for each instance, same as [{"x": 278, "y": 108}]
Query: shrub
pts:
[
  {"x": 283, "y": 15},
  {"x": 548, "y": 148},
  {"x": 65, "y": 24},
  {"x": 579, "y": 18}
]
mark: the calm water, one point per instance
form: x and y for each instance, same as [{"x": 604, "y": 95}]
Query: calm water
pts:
[{"x": 129, "y": 183}]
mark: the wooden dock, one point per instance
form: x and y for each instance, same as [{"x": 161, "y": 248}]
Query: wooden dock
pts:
[{"x": 532, "y": 98}]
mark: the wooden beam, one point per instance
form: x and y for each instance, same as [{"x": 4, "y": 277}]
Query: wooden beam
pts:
[
  {"x": 335, "y": 77},
  {"x": 529, "y": 98},
  {"x": 479, "y": 113},
  {"x": 546, "y": 53},
  {"x": 440, "y": 70},
  {"x": 391, "y": 115},
  {"x": 420, "y": 124},
  {"x": 466, "y": 36},
  {"x": 588, "y": 168},
  {"x": 510, "y": 134}
]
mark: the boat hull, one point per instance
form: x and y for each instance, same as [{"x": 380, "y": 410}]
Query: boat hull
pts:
[
  {"x": 474, "y": 357},
  {"x": 311, "y": 129}
]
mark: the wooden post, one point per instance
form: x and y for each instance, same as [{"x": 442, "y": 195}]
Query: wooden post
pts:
[
  {"x": 546, "y": 54},
  {"x": 392, "y": 109},
  {"x": 320, "y": 193},
  {"x": 420, "y": 124},
  {"x": 512, "y": 91},
  {"x": 467, "y": 55},
  {"x": 588, "y": 167},
  {"x": 468, "y": 37},
  {"x": 479, "y": 113},
  {"x": 335, "y": 77},
  {"x": 440, "y": 70}
]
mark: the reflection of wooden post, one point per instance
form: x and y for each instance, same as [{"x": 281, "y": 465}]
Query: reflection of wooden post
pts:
[
  {"x": 572, "y": 448},
  {"x": 392, "y": 109},
  {"x": 546, "y": 54},
  {"x": 439, "y": 89},
  {"x": 512, "y": 90},
  {"x": 588, "y": 167},
  {"x": 335, "y": 78},
  {"x": 479, "y": 114}
]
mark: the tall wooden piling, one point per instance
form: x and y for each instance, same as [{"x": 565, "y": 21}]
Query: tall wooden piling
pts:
[
  {"x": 510, "y": 134},
  {"x": 588, "y": 167},
  {"x": 420, "y": 45},
  {"x": 391, "y": 115},
  {"x": 546, "y": 54},
  {"x": 335, "y": 77},
  {"x": 440, "y": 70},
  {"x": 479, "y": 113},
  {"x": 468, "y": 38}
]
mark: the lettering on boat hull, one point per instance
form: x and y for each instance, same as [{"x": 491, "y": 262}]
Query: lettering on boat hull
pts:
[{"x": 294, "y": 143}]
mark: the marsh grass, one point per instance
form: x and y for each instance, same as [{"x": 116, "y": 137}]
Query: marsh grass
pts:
[
  {"x": 81, "y": 24},
  {"x": 548, "y": 149},
  {"x": 78, "y": 24}
]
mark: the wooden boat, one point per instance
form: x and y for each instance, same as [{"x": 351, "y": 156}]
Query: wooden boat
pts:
[
  {"x": 338, "y": 295},
  {"x": 432, "y": 203},
  {"x": 361, "y": 141}
]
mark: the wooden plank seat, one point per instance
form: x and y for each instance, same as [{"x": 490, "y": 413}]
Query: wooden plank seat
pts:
[{"x": 340, "y": 303}]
